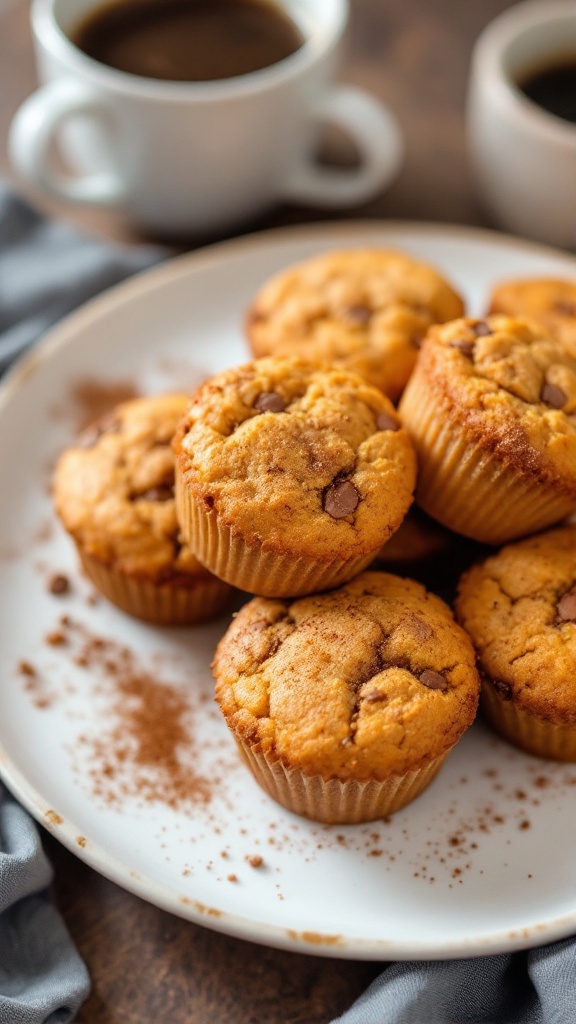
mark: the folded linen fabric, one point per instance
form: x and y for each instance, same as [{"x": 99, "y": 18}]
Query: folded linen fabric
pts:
[
  {"x": 42, "y": 978},
  {"x": 47, "y": 268},
  {"x": 533, "y": 987}
]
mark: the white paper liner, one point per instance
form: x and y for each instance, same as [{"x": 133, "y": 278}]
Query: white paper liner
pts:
[
  {"x": 335, "y": 801},
  {"x": 163, "y": 603}
]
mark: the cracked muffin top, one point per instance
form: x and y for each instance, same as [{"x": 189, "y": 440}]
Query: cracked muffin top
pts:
[
  {"x": 519, "y": 608},
  {"x": 366, "y": 309},
  {"x": 370, "y": 680},
  {"x": 512, "y": 389},
  {"x": 299, "y": 457},
  {"x": 551, "y": 302},
  {"x": 114, "y": 490}
]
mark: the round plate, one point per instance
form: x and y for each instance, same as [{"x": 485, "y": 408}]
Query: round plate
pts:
[{"x": 481, "y": 863}]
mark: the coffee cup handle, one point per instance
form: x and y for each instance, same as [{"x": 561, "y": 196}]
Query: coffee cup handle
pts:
[
  {"x": 375, "y": 132},
  {"x": 35, "y": 129}
]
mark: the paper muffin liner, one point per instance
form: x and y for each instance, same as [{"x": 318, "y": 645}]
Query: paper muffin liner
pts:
[
  {"x": 335, "y": 801},
  {"x": 252, "y": 568},
  {"x": 466, "y": 487},
  {"x": 531, "y": 733},
  {"x": 167, "y": 603}
]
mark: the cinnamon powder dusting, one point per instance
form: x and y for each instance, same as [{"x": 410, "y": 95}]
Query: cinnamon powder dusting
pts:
[
  {"x": 146, "y": 748},
  {"x": 90, "y": 398}
]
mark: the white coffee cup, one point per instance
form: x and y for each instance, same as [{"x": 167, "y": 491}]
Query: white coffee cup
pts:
[
  {"x": 524, "y": 158},
  {"x": 199, "y": 157}
]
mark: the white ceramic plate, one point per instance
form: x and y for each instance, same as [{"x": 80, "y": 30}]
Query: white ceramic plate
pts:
[{"x": 483, "y": 862}]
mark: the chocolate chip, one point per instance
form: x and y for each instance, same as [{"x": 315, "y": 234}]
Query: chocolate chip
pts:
[
  {"x": 566, "y": 307},
  {"x": 386, "y": 422},
  {"x": 566, "y": 607},
  {"x": 269, "y": 401},
  {"x": 464, "y": 345},
  {"x": 434, "y": 680},
  {"x": 553, "y": 396},
  {"x": 481, "y": 329},
  {"x": 162, "y": 493},
  {"x": 341, "y": 499},
  {"x": 375, "y": 697},
  {"x": 360, "y": 314},
  {"x": 503, "y": 689}
]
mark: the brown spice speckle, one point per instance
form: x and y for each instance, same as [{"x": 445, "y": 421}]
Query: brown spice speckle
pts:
[
  {"x": 25, "y": 668},
  {"x": 56, "y": 638},
  {"x": 59, "y": 584},
  {"x": 147, "y": 749}
]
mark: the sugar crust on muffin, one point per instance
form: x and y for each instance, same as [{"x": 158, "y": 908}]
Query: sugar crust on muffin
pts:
[
  {"x": 519, "y": 608},
  {"x": 364, "y": 309},
  {"x": 551, "y": 302},
  {"x": 371, "y": 680},
  {"x": 114, "y": 493},
  {"x": 491, "y": 408},
  {"x": 291, "y": 458}
]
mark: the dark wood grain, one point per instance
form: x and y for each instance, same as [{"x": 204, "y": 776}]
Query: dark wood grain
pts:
[{"x": 147, "y": 966}]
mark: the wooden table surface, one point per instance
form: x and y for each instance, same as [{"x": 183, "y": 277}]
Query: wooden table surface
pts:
[{"x": 147, "y": 966}]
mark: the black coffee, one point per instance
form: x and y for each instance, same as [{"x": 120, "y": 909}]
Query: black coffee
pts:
[
  {"x": 554, "y": 88},
  {"x": 188, "y": 40}
]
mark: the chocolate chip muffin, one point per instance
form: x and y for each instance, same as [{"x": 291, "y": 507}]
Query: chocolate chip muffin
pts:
[
  {"x": 114, "y": 493},
  {"x": 491, "y": 409},
  {"x": 551, "y": 302},
  {"x": 290, "y": 476},
  {"x": 363, "y": 309},
  {"x": 346, "y": 704},
  {"x": 519, "y": 608}
]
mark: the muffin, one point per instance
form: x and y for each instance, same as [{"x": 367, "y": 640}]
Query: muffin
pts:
[
  {"x": 519, "y": 608},
  {"x": 491, "y": 410},
  {"x": 346, "y": 704},
  {"x": 551, "y": 302},
  {"x": 290, "y": 476},
  {"x": 114, "y": 493},
  {"x": 363, "y": 309}
]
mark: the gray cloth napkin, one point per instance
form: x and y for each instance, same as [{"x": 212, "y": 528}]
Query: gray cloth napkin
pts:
[
  {"x": 537, "y": 987},
  {"x": 46, "y": 270},
  {"x": 42, "y": 978}
]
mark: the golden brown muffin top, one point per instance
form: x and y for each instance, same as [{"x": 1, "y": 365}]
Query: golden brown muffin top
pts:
[
  {"x": 519, "y": 608},
  {"x": 366, "y": 309},
  {"x": 114, "y": 490},
  {"x": 367, "y": 681},
  {"x": 512, "y": 389},
  {"x": 551, "y": 302},
  {"x": 299, "y": 457}
]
